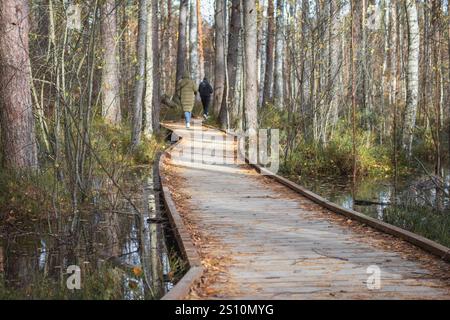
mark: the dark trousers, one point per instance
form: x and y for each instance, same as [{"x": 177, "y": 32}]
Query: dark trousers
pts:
[{"x": 205, "y": 103}]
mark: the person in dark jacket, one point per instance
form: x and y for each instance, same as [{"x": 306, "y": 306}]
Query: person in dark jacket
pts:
[{"x": 206, "y": 91}]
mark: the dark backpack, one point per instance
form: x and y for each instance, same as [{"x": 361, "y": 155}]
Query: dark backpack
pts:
[{"x": 205, "y": 89}]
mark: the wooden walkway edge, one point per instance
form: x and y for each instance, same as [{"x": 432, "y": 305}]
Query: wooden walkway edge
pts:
[
  {"x": 182, "y": 288},
  {"x": 428, "y": 245}
]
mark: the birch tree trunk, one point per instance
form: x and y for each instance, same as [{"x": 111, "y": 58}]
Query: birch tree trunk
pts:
[
  {"x": 193, "y": 40},
  {"x": 251, "y": 66},
  {"x": 334, "y": 54},
  {"x": 279, "y": 55},
  {"x": 110, "y": 72},
  {"x": 140, "y": 75},
  {"x": 412, "y": 78},
  {"x": 219, "y": 66},
  {"x": 16, "y": 115},
  {"x": 448, "y": 79},
  {"x": 268, "y": 75},
  {"x": 261, "y": 47}
]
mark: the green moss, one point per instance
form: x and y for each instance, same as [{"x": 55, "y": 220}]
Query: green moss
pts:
[
  {"x": 113, "y": 145},
  {"x": 336, "y": 157}
]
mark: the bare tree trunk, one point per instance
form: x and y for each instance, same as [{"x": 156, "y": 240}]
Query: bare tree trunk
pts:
[
  {"x": 278, "y": 93},
  {"x": 16, "y": 114},
  {"x": 140, "y": 75},
  {"x": 448, "y": 79},
  {"x": 334, "y": 54},
  {"x": 149, "y": 71},
  {"x": 437, "y": 65},
  {"x": 412, "y": 75},
  {"x": 193, "y": 40},
  {"x": 396, "y": 72},
  {"x": 353, "y": 76},
  {"x": 261, "y": 47},
  {"x": 384, "y": 72},
  {"x": 233, "y": 58},
  {"x": 165, "y": 44},
  {"x": 251, "y": 66},
  {"x": 219, "y": 66},
  {"x": 156, "y": 67},
  {"x": 182, "y": 48},
  {"x": 200, "y": 40},
  {"x": 268, "y": 75},
  {"x": 110, "y": 72}
]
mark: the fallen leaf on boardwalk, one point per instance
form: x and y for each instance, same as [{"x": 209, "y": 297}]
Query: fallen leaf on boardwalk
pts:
[
  {"x": 210, "y": 291},
  {"x": 137, "y": 271},
  {"x": 132, "y": 284}
]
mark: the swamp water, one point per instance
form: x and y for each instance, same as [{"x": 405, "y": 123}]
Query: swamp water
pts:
[
  {"x": 415, "y": 204},
  {"x": 123, "y": 253}
]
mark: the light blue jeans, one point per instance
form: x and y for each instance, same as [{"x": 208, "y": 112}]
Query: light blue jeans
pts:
[{"x": 187, "y": 116}]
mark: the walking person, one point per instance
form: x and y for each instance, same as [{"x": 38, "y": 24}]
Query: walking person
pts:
[
  {"x": 187, "y": 90},
  {"x": 206, "y": 91}
]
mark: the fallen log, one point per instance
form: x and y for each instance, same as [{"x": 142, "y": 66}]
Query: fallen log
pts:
[{"x": 369, "y": 203}]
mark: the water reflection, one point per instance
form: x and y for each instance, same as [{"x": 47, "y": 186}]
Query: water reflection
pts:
[
  {"x": 418, "y": 204},
  {"x": 121, "y": 249}
]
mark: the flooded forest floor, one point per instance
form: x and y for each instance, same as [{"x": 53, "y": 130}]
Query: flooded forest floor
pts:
[
  {"x": 415, "y": 202},
  {"x": 122, "y": 248}
]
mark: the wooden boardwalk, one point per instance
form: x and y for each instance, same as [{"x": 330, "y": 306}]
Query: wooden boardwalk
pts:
[{"x": 258, "y": 239}]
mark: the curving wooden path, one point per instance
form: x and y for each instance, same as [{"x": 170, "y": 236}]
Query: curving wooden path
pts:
[{"x": 258, "y": 239}]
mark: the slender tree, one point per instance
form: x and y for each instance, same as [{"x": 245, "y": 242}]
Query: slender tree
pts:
[
  {"x": 193, "y": 42},
  {"x": 251, "y": 65},
  {"x": 219, "y": 61},
  {"x": 233, "y": 62},
  {"x": 110, "y": 72},
  {"x": 412, "y": 76},
  {"x": 448, "y": 79},
  {"x": 182, "y": 44},
  {"x": 268, "y": 75},
  {"x": 140, "y": 74},
  {"x": 16, "y": 114},
  {"x": 156, "y": 67},
  {"x": 149, "y": 72},
  {"x": 437, "y": 73},
  {"x": 353, "y": 86},
  {"x": 279, "y": 55},
  {"x": 200, "y": 40}
]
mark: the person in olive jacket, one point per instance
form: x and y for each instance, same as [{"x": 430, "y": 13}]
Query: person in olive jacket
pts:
[{"x": 187, "y": 89}]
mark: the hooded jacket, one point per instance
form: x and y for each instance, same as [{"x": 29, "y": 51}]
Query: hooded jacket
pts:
[
  {"x": 187, "y": 91},
  {"x": 205, "y": 89}
]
